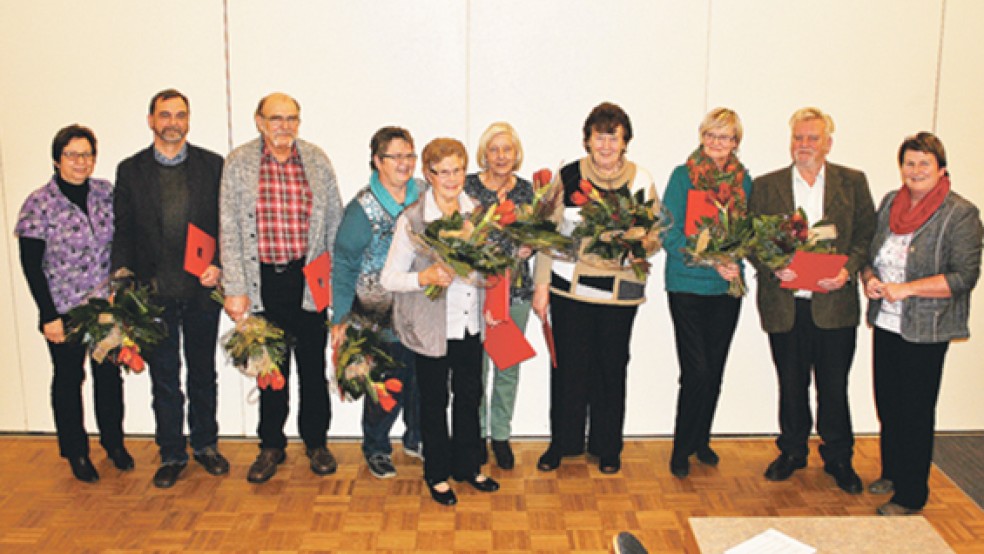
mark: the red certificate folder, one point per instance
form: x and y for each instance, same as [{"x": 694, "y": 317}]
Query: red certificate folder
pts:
[
  {"x": 548, "y": 338},
  {"x": 506, "y": 344},
  {"x": 497, "y": 298},
  {"x": 318, "y": 276},
  {"x": 810, "y": 267},
  {"x": 199, "y": 251},
  {"x": 698, "y": 207},
  {"x": 504, "y": 341}
]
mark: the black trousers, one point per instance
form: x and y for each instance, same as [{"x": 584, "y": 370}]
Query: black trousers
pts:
[
  {"x": 456, "y": 453},
  {"x": 282, "y": 290},
  {"x": 704, "y": 327},
  {"x": 907, "y": 386},
  {"x": 68, "y": 359},
  {"x": 588, "y": 385},
  {"x": 804, "y": 354}
]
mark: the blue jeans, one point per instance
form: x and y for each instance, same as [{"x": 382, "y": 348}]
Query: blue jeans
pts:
[
  {"x": 199, "y": 327},
  {"x": 376, "y": 422}
]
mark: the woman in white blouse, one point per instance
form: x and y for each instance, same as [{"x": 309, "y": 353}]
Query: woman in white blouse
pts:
[{"x": 444, "y": 333}]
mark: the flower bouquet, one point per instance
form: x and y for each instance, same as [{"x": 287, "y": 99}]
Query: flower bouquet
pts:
[
  {"x": 256, "y": 347},
  {"x": 776, "y": 238},
  {"x": 532, "y": 224},
  {"x": 121, "y": 327},
  {"x": 364, "y": 367},
  {"x": 462, "y": 243},
  {"x": 618, "y": 227},
  {"x": 722, "y": 240}
]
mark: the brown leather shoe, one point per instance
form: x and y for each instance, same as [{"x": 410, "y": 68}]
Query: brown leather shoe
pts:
[
  {"x": 322, "y": 461},
  {"x": 265, "y": 465}
]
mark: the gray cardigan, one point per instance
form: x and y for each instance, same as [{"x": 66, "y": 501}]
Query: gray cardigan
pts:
[
  {"x": 419, "y": 322},
  {"x": 237, "y": 216},
  {"x": 948, "y": 244}
]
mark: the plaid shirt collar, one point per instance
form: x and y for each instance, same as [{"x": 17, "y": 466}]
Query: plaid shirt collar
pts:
[{"x": 266, "y": 155}]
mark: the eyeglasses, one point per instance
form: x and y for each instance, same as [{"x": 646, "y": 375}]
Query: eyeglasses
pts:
[
  {"x": 73, "y": 156},
  {"x": 400, "y": 157},
  {"x": 719, "y": 138},
  {"x": 280, "y": 120},
  {"x": 448, "y": 173}
]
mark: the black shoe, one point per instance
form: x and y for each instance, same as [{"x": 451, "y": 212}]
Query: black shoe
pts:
[
  {"x": 610, "y": 466},
  {"x": 487, "y": 484},
  {"x": 121, "y": 459},
  {"x": 265, "y": 465},
  {"x": 322, "y": 461},
  {"x": 83, "y": 470},
  {"x": 213, "y": 462},
  {"x": 446, "y": 498},
  {"x": 784, "y": 466},
  {"x": 707, "y": 456},
  {"x": 845, "y": 476},
  {"x": 167, "y": 475},
  {"x": 679, "y": 467},
  {"x": 626, "y": 543},
  {"x": 549, "y": 461},
  {"x": 503, "y": 454}
]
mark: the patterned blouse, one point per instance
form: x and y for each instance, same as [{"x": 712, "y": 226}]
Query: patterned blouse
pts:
[
  {"x": 77, "y": 246},
  {"x": 521, "y": 194}
]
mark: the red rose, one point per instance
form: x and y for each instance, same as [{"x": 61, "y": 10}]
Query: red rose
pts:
[
  {"x": 137, "y": 362},
  {"x": 586, "y": 186},
  {"x": 263, "y": 380},
  {"x": 393, "y": 384},
  {"x": 277, "y": 380},
  {"x": 542, "y": 178},
  {"x": 506, "y": 212},
  {"x": 579, "y": 198}
]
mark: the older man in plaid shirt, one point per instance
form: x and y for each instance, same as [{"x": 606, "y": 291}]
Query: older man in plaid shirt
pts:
[{"x": 280, "y": 209}]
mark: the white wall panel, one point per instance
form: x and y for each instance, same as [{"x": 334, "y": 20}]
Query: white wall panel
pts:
[
  {"x": 353, "y": 67},
  {"x": 959, "y": 127},
  {"x": 768, "y": 58},
  {"x": 542, "y": 66},
  {"x": 97, "y": 65},
  {"x": 449, "y": 68}
]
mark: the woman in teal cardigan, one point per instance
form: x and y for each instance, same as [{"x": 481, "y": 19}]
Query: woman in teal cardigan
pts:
[{"x": 704, "y": 314}]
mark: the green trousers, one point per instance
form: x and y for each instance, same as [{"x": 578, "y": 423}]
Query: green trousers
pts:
[{"x": 495, "y": 416}]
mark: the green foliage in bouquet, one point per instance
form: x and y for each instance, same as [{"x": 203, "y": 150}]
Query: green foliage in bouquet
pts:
[{"x": 776, "y": 238}]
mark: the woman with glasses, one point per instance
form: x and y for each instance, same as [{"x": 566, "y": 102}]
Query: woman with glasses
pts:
[
  {"x": 445, "y": 333},
  {"x": 925, "y": 260},
  {"x": 500, "y": 155},
  {"x": 64, "y": 230},
  {"x": 592, "y": 309},
  {"x": 704, "y": 314}
]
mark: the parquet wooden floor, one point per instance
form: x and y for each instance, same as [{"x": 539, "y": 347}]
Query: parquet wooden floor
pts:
[{"x": 575, "y": 509}]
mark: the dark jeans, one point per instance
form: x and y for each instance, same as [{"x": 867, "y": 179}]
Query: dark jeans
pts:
[
  {"x": 588, "y": 384},
  {"x": 704, "y": 327},
  {"x": 804, "y": 354},
  {"x": 196, "y": 330},
  {"x": 907, "y": 387},
  {"x": 282, "y": 290},
  {"x": 377, "y": 422},
  {"x": 456, "y": 453},
  {"x": 68, "y": 359}
]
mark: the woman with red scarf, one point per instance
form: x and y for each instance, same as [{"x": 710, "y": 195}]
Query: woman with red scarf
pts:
[
  {"x": 925, "y": 260},
  {"x": 704, "y": 314}
]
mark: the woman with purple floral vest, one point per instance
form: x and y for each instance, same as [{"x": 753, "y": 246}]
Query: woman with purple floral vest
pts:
[{"x": 65, "y": 229}]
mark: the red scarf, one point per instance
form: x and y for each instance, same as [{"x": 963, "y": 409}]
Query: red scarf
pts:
[{"x": 905, "y": 218}]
